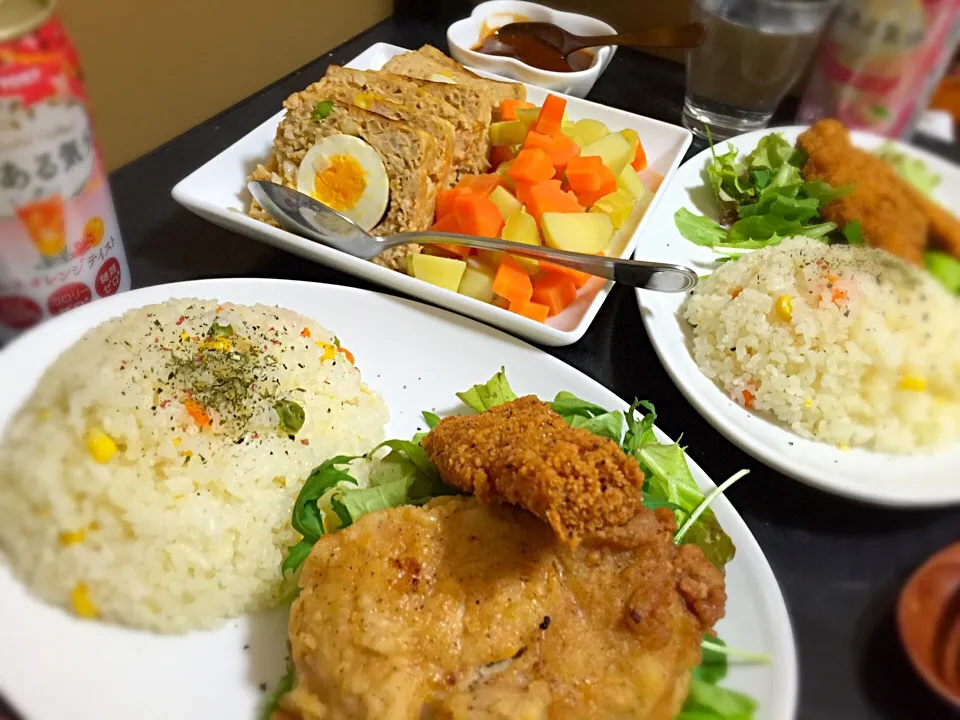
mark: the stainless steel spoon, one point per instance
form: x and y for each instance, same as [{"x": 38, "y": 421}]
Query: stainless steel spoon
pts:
[{"x": 303, "y": 215}]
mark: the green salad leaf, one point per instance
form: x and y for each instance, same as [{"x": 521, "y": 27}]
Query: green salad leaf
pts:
[
  {"x": 763, "y": 199},
  {"x": 772, "y": 152},
  {"x": 272, "y": 699},
  {"x": 669, "y": 481},
  {"x": 707, "y": 701},
  {"x": 944, "y": 268},
  {"x": 699, "y": 229},
  {"x": 910, "y": 168},
  {"x": 714, "y": 665},
  {"x": 495, "y": 391},
  {"x": 307, "y": 518},
  {"x": 853, "y": 233}
]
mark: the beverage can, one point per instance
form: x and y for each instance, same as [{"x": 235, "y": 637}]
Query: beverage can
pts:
[
  {"x": 60, "y": 243},
  {"x": 879, "y": 61}
]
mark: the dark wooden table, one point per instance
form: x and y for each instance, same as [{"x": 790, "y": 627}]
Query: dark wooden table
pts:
[{"x": 839, "y": 564}]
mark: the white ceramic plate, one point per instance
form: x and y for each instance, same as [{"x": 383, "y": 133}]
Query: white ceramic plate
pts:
[
  {"x": 217, "y": 192},
  {"x": 110, "y": 673},
  {"x": 914, "y": 480}
]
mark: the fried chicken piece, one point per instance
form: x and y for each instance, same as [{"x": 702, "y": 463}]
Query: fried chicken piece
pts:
[
  {"x": 463, "y": 611},
  {"x": 880, "y": 200},
  {"x": 944, "y": 226},
  {"x": 524, "y": 454}
]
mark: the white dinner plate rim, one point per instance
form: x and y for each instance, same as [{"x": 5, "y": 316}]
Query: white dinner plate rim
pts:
[
  {"x": 85, "y": 317},
  {"x": 717, "y": 408},
  {"x": 542, "y": 333}
]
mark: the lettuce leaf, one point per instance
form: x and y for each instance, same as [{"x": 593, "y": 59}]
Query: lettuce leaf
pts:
[
  {"x": 853, "y": 233},
  {"x": 910, "y": 168},
  {"x": 699, "y": 229},
  {"x": 496, "y": 391},
  {"x": 944, "y": 268},
  {"x": 307, "y": 518},
  {"x": 707, "y": 701},
  {"x": 763, "y": 199},
  {"x": 772, "y": 152},
  {"x": 272, "y": 699}
]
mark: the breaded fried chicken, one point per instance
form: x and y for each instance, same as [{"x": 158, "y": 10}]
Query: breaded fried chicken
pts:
[
  {"x": 944, "y": 226},
  {"x": 523, "y": 453},
  {"x": 464, "y": 611},
  {"x": 880, "y": 200}
]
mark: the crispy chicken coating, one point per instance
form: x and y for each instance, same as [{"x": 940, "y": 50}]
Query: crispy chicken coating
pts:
[
  {"x": 463, "y": 611},
  {"x": 523, "y": 453},
  {"x": 880, "y": 200}
]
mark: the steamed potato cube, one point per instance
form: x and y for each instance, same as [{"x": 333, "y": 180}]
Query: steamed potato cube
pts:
[
  {"x": 629, "y": 180},
  {"x": 617, "y": 206},
  {"x": 613, "y": 149},
  {"x": 506, "y": 203},
  {"x": 520, "y": 227},
  {"x": 587, "y": 233},
  {"x": 502, "y": 170},
  {"x": 633, "y": 138},
  {"x": 588, "y": 131},
  {"x": 440, "y": 271},
  {"x": 527, "y": 116},
  {"x": 477, "y": 282},
  {"x": 490, "y": 258},
  {"x": 511, "y": 132}
]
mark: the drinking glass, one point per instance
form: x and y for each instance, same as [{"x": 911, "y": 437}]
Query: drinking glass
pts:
[{"x": 754, "y": 52}]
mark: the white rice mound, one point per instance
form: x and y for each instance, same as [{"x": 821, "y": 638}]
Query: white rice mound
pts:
[
  {"x": 187, "y": 523},
  {"x": 868, "y": 356}
]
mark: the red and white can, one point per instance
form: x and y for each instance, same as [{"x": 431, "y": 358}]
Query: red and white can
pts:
[
  {"x": 880, "y": 62},
  {"x": 60, "y": 243}
]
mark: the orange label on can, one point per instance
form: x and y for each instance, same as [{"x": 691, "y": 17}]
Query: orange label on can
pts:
[{"x": 59, "y": 241}]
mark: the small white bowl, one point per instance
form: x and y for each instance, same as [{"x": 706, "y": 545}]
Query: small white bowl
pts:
[{"x": 465, "y": 34}]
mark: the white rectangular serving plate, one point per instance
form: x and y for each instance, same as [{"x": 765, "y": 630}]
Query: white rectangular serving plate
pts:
[{"x": 217, "y": 192}]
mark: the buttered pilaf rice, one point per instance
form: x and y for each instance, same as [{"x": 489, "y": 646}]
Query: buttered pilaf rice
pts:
[
  {"x": 844, "y": 344},
  {"x": 149, "y": 479}
]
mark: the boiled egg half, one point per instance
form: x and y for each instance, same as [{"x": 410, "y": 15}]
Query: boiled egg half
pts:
[{"x": 345, "y": 173}]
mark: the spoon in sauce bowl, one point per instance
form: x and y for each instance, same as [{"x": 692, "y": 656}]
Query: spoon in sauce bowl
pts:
[
  {"x": 928, "y": 617},
  {"x": 549, "y": 47}
]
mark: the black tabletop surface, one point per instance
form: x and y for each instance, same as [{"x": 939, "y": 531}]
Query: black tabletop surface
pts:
[{"x": 840, "y": 564}]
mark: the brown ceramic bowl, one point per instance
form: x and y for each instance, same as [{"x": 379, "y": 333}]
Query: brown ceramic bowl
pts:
[{"x": 928, "y": 617}]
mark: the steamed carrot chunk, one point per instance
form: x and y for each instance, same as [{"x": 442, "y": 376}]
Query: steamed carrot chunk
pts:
[
  {"x": 532, "y": 310},
  {"x": 560, "y": 148},
  {"x": 448, "y": 223},
  {"x": 480, "y": 184},
  {"x": 508, "y": 108},
  {"x": 579, "y": 278},
  {"x": 554, "y": 290},
  {"x": 512, "y": 282},
  {"x": 478, "y": 215},
  {"x": 531, "y": 165},
  {"x": 639, "y": 161},
  {"x": 551, "y": 115},
  {"x": 547, "y": 196},
  {"x": 590, "y": 179}
]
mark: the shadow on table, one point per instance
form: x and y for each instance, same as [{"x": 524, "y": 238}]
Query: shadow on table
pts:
[
  {"x": 890, "y": 684},
  {"x": 185, "y": 246}
]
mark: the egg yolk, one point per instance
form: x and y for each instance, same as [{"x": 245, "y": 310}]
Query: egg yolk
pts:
[{"x": 342, "y": 184}]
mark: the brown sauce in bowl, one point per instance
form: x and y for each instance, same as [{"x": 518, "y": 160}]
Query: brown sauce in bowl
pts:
[{"x": 529, "y": 50}]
